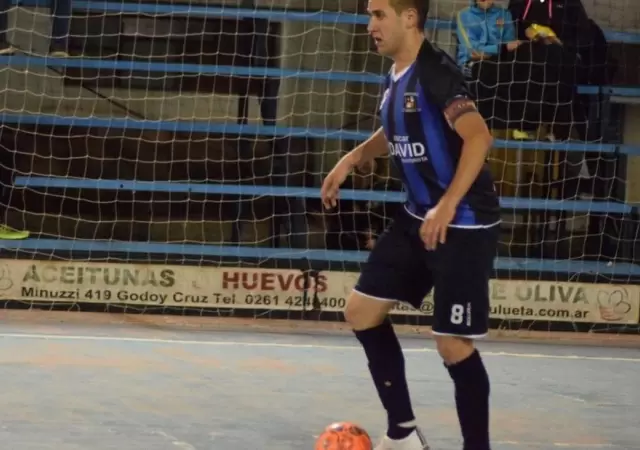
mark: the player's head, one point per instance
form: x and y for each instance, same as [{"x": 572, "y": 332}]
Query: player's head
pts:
[{"x": 391, "y": 21}]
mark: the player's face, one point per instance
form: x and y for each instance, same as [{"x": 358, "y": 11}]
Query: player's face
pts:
[
  {"x": 485, "y": 4},
  {"x": 387, "y": 28}
]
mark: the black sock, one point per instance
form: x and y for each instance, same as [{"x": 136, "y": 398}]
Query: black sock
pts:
[
  {"x": 386, "y": 364},
  {"x": 472, "y": 401}
]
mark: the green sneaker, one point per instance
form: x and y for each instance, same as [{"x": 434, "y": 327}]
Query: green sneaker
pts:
[
  {"x": 520, "y": 135},
  {"x": 9, "y": 233}
]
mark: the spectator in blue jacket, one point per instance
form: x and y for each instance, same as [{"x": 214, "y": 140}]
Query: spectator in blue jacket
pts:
[
  {"x": 61, "y": 13},
  {"x": 484, "y": 28},
  {"x": 518, "y": 83}
]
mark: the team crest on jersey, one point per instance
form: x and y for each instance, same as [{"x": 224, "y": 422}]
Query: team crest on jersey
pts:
[{"x": 411, "y": 102}]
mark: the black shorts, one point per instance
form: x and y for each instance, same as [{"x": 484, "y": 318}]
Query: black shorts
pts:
[{"x": 400, "y": 268}]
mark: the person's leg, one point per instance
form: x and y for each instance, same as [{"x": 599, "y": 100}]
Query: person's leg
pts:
[
  {"x": 7, "y": 173},
  {"x": 529, "y": 77},
  {"x": 500, "y": 101},
  {"x": 5, "y": 47},
  {"x": 564, "y": 112},
  {"x": 464, "y": 265},
  {"x": 484, "y": 75},
  {"x": 562, "y": 107},
  {"x": 514, "y": 80},
  {"x": 368, "y": 316},
  {"x": 390, "y": 274},
  {"x": 60, "y": 26}
]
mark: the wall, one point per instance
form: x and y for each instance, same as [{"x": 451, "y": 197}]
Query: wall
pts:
[
  {"x": 308, "y": 46},
  {"x": 632, "y": 137},
  {"x": 303, "y": 103}
]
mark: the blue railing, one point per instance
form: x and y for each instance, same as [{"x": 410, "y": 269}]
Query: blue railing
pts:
[
  {"x": 242, "y": 71},
  {"x": 278, "y": 131},
  {"x": 275, "y": 15},
  {"x": 531, "y": 204},
  {"x": 36, "y": 182},
  {"x": 261, "y": 253},
  {"x": 264, "y": 254}
]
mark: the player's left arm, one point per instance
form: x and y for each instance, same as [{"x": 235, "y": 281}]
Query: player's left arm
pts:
[
  {"x": 446, "y": 86},
  {"x": 464, "y": 118}
]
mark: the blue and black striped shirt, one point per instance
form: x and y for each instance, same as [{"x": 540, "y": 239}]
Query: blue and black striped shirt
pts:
[{"x": 417, "y": 110}]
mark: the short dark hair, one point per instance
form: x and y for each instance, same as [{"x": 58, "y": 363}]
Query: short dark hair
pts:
[{"x": 422, "y": 6}]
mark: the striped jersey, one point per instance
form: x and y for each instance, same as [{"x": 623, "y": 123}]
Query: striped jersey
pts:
[{"x": 418, "y": 109}]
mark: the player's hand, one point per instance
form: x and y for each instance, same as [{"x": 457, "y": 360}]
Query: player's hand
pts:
[
  {"x": 434, "y": 227},
  {"x": 331, "y": 186}
]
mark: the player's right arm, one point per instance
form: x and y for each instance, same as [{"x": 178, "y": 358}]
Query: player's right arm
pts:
[{"x": 360, "y": 156}]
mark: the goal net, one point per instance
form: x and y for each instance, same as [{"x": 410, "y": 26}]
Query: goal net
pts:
[{"x": 167, "y": 157}]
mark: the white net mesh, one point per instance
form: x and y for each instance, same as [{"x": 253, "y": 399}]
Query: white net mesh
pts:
[{"x": 174, "y": 159}]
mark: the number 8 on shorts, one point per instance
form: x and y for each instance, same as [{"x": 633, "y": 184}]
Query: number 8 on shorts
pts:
[{"x": 457, "y": 315}]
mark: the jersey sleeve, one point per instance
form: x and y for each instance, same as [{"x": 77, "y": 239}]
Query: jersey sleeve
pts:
[{"x": 444, "y": 84}]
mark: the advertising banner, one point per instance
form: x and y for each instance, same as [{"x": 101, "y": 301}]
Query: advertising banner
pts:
[
  {"x": 531, "y": 300},
  {"x": 148, "y": 285}
]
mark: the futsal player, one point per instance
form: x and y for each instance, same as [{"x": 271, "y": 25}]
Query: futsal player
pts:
[{"x": 445, "y": 238}]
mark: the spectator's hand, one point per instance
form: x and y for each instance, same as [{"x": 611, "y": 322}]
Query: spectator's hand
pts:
[
  {"x": 552, "y": 40},
  {"x": 511, "y": 46},
  {"x": 433, "y": 230},
  {"x": 370, "y": 242},
  {"x": 477, "y": 56},
  {"x": 531, "y": 34}
]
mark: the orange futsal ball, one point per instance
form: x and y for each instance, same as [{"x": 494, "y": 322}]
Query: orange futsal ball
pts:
[{"x": 344, "y": 436}]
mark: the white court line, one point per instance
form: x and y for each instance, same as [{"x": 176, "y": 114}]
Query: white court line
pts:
[
  {"x": 570, "y": 445},
  {"x": 545, "y": 445},
  {"x": 70, "y": 337},
  {"x": 175, "y": 441},
  {"x": 570, "y": 397}
]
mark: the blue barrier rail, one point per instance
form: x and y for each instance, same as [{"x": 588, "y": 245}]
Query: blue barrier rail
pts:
[
  {"x": 201, "y": 69},
  {"x": 279, "y": 131},
  {"x": 511, "y": 264},
  {"x": 619, "y": 91},
  {"x": 241, "y": 71},
  {"x": 264, "y": 253},
  {"x": 577, "y": 206},
  {"x": 276, "y": 15}
]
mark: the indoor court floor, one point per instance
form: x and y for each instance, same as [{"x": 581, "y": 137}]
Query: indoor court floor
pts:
[{"x": 78, "y": 381}]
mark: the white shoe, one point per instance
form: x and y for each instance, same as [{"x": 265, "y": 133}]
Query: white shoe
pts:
[{"x": 415, "y": 441}]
